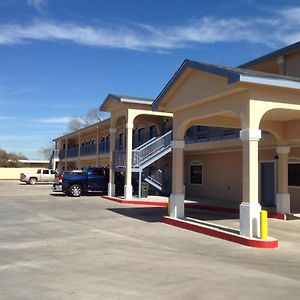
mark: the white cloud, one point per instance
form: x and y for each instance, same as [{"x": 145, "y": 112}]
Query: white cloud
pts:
[
  {"x": 276, "y": 28},
  {"x": 58, "y": 120},
  {"x": 39, "y": 5},
  {"x": 5, "y": 118}
]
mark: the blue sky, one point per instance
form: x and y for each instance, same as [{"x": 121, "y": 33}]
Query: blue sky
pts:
[{"x": 58, "y": 58}]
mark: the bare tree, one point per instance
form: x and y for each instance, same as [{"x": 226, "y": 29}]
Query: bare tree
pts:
[
  {"x": 91, "y": 117},
  {"x": 74, "y": 124},
  {"x": 47, "y": 151}
]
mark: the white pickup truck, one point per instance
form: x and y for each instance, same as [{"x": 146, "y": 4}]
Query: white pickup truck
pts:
[{"x": 42, "y": 175}]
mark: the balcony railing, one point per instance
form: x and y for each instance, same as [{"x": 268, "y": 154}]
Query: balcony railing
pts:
[
  {"x": 90, "y": 149},
  {"x": 72, "y": 152},
  {"x": 104, "y": 147}
]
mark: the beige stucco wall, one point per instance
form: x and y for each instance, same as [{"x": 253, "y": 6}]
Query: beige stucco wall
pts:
[
  {"x": 292, "y": 64},
  {"x": 14, "y": 173},
  {"x": 222, "y": 176}
]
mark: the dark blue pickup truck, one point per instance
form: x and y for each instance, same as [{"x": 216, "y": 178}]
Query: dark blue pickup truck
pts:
[{"x": 90, "y": 179}]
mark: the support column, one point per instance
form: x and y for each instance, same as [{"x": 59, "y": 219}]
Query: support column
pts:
[
  {"x": 79, "y": 154},
  {"x": 112, "y": 144},
  {"x": 177, "y": 196},
  {"x": 250, "y": 208},
  {"x": 66, "y": 151},
  {"x": 282, "y": 196},
  {"x": 97, "y": 147},
  {"x": 128, "y": 175}
]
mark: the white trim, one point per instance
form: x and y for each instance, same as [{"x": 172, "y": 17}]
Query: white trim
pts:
[
  {"x": 283, "y": 150},
  {"x": 250, "y": 134},
  {"x": 112, "y": 130},
  {"x": 177, "y": 144},
  {"x": 129, "y": 125},
  {"x": 137, "y": 101},
  {"x": 195, "y": 163},
  {"x": 259, "y": 178},
  {"x": 271, "y": 81}
]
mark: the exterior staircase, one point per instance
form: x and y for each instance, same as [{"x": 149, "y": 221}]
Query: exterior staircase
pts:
[{"x": 144, "y": 155}]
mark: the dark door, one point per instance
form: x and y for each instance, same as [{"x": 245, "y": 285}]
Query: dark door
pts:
[{"x": 267, "y": 183}]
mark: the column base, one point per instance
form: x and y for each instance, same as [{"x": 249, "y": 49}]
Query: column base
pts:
[
  {"x": 128, "y": 192},
  {"x": 250, "y": 219},
  {"x": 283, "y": 203},
  {"x": 111, "y": 189},
  {"x": 176, "y": 208}
]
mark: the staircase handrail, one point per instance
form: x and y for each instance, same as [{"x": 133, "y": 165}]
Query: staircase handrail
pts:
[
  {"x": 145, "y": 144},
  {"x": 160, "y": 144}
]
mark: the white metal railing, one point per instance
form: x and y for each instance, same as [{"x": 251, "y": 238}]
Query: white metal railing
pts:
[
  {"x": 144, "y": 152},
  {"x": 146, "y": 143},
  {"x": 155, "y": 146}
]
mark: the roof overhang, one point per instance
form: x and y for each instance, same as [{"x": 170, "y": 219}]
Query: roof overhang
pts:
[
  {"x": 124, "y": 99},
  {"x": 233, "y": 75}
]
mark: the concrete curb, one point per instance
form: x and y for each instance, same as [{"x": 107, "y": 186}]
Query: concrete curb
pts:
[{"x": 271, "y": 243}]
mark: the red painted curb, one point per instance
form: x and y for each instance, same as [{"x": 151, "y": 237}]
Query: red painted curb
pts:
[
  {"x": 270, "y": 244},
  {"x": 150, "y": 203}
]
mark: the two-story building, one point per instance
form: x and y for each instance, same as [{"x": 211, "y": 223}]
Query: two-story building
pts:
[{"x": 216, "y": 132}]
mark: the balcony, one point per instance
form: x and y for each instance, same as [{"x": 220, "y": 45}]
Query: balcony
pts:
[
  {"x": 72, "y": 152},
  {"x": 103, "y": 147},
  {"x": 90, "y": 149}
]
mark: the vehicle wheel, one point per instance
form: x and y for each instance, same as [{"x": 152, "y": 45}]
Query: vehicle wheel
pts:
[
  {"x": 32, "y": 181},
  {"x": 75, "y": 190}
]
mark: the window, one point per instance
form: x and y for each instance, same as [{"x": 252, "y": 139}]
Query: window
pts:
[
  {"x": 294, "y": 174},
  {"x": 153, "y": 131},
  {"x": 121, "y": 141},
  {"x": 53, "y": 172},
  {"x": 38, "y": 171},
  {"x": 196, "y": 174},
  {"x": 98, "y": 172},
  {"x": 45, "y": 172},
  {"x": 141, "y": 135}
]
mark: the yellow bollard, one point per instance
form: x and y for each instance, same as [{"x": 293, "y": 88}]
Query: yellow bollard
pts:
[{"x": 264, "y": 225}]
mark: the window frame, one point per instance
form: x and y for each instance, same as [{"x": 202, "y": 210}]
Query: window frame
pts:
[
  {"x": 293, "y": 163},
  {"x": 195, "y": 164}
]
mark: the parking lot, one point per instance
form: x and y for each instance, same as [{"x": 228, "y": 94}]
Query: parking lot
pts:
[{"x": 57, "y": 247}]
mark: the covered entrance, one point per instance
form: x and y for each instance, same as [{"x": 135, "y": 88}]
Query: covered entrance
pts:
[{"x": 221, "y": 96}]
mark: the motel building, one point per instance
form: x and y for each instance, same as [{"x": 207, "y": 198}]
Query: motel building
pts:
[{"x": 226, "y": 134}]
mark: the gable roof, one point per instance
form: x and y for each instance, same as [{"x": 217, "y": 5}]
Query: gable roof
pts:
[
  {"x": 232, "y": 74},
  {"x": 279, "y": 52},
  {"x": 126, "y": 99}
]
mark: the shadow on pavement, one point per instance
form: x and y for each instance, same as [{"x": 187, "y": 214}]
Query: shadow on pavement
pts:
[{"x": 146, "y": 214}]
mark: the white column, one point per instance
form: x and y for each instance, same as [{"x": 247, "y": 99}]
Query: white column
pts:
[
  {"x": 97, "y": 147},
  {"x": 128, "y": 175},
  {"x": 66, "y": 150},
  {"x": 177, "y": 196},
  {"x": 79, "y": 155},
  {"x": 282, "y": 196},
  {"x": 112, "y": 143},
  {"x": 250, "y": 208}
]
